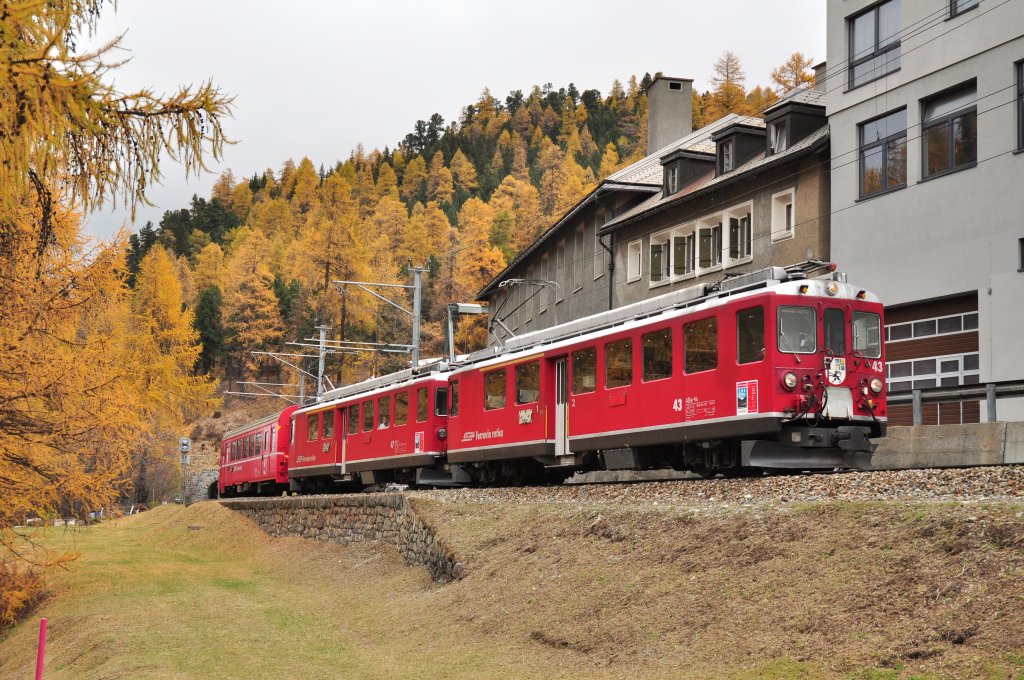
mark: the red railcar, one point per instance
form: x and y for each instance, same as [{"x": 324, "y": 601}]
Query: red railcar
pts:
[
  {"x": 254, "y": 458},
  {"x": 381, "y": 430},
  {"x": 764, "y": 372}
]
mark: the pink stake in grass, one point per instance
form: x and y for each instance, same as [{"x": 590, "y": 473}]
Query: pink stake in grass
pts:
[{"x": 42, "y": 649}]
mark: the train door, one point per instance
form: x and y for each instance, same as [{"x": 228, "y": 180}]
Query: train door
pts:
[
  {"x": 562, "y": 406},
  {"x": 343, "y": 416}
]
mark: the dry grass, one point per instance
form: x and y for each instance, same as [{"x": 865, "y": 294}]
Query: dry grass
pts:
[{"x": 823, "y": 590}]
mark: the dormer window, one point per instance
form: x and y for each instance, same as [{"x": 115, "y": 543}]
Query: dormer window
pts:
[
  {"x": 671, "y": 179},
  {"x": 728, "y": 156},
  {"x": 778, "y": 137}
]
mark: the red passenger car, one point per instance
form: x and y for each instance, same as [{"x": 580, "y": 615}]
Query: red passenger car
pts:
[
  {"x": 254, "y": 458},
  {"x": 765, "y": 372},
  {"x": 385, "y": 429}
]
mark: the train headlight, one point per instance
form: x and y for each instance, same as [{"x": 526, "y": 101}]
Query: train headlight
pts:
[
  {"x": 876, "y": 385},
  {"x": 789, "y": 381},
  {"x": 442, "y": 433},
  {"x": 832, "y": 288}
]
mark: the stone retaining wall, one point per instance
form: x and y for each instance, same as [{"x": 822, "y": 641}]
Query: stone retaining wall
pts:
[
  {"x": 197, "y": 485},
  {"x": 385, "y": 517}
]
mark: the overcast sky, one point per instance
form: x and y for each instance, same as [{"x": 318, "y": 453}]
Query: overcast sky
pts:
[{"x": 316, "y": 78}]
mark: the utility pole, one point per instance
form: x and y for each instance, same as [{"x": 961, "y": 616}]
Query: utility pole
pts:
[
  {"x": 322, "y": 355},
  {"x": 184, "y": 446},
  {"x": 417, "y": 282}
]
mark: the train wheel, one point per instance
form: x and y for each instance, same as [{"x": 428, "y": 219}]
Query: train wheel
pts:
[{"x": 704, "y": 471}]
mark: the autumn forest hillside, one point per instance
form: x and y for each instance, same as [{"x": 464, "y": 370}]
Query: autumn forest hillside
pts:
[{"x": 257, "y": 258}]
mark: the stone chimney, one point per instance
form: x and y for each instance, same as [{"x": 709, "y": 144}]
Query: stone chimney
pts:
[
  {"x": 820, "y": 76},
  {"x": 669, "y": 111}
]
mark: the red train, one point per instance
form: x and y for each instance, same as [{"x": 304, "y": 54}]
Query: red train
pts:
[{"x": 766, "y": 370}]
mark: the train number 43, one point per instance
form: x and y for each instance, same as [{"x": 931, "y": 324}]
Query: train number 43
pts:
[
  {"x": 877, "y": 366},
  {"x": 677, "y": 405}
]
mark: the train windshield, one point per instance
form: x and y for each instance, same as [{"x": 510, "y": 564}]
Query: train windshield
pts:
[
  {"x": 835, "y": 331},
  {"x": 797, "y": 330},
  {"x": 867, "y": 334}
]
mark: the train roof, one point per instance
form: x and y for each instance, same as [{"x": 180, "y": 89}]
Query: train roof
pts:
[
  {"x": 272, "y": 418},
  {"x": 433, "y": 369},
  {"x": 777, "y": 280}
]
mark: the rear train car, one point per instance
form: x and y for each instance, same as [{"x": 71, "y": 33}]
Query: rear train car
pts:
[
  {"x": 254, "y": 457},
  {"x": 392, "y": 428},
  {"x": 768, "y": 371}
]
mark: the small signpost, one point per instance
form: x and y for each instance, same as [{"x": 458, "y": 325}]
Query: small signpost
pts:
[{"x": 184, "y": 446}]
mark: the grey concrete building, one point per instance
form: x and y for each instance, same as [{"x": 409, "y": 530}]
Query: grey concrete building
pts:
[
  {"x": 925, "y": 103},
  {"x": 738, "y": 195}
]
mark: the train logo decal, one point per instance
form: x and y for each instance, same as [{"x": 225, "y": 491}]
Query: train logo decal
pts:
[
  {"x": 835, "y": 368},
  {"x": 419, "y": 442},
  {"x": 746, "y": 397},
  {"x": 526, "y": 416}
]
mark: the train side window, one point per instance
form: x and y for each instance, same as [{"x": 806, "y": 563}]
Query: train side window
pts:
[
  {"x": 353, "y": 419},
  {"x": 441, "y": 401},
  {"x": 383, "y": 413},
  {"x": 233, "y": 450},
  {"x": 291, "y": 435},
  {"x": 367, "y": 415},
  {"x": 328, "y": 424},
  {"x": 867, "y": 334},
  {"x": 259, "y": 444},
  {"x": 657, "y": 351},
  {"x": 401, "y": 408},
  {"x": 494, "y": 388},
  {"x": 454, "y": 409},
  {"x": 700, "y": 351},
  {"x": 835, "y": 330},
  {"x": 252, "y": 446},
  {"x": 312, "y": 427},
  {"x": 797, "y": 330},
  {"x": 584, "y": 370},
  {"x": 750, "y": 335},
  {"x": 422, "y": 405},
  {"x": 618, "y": 363},
  {"x": 266, "y": 440},
  {"x": 528, "y": 382}
]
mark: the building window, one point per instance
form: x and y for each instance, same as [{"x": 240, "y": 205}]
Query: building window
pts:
[
  {"x": 577, "y": 259},
  {"x": 883, "y": 153},
  {"x": 926, "y": 328},
  {"x": 874, "y": 43},
  {"x": 634, "y": 254},
  {"x": 949, "y": 371},
  {"x": 950, "y": 131},
  {"x": 683, "y": 254},
  {"x": 600, "y": 251},
  {"x": 660, "y": 256},
  {"x": 561, "y": 275},
  {"x": 739, "y": 237},
  {"x": 671, "y": 179},
  {"x": 778, "y": 137},
  {"x": 961, "y": 6},
  {"x": 1020, "y": 104},
  {"x": 728, "y": 156},
  {"x": 782, "y": 215},
  {"x": 710, "y": 238},
  {"x": 1020, "y": 254},
  {"x": 545, "y": 291}
]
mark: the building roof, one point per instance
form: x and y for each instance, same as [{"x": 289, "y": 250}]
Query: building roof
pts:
[
  {"x": 699, "y": 187},
  {"x": 804, "y": 94}
]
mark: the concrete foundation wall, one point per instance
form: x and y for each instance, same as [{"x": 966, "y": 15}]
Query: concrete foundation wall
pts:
[
  {"x": 996, "y": 443},
  {"x": 387, "y": 518}
]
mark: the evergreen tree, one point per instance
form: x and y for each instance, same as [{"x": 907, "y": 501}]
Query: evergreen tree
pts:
[{"x": 208, "y": 325}]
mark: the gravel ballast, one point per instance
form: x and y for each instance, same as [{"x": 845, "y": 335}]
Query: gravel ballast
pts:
[{"x": 996, "y": 483}]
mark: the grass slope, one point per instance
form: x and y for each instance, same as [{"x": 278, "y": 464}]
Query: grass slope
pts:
[{"x": 820, "y": 590}]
